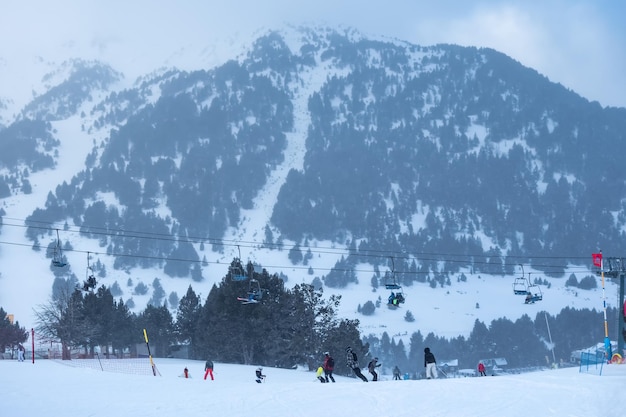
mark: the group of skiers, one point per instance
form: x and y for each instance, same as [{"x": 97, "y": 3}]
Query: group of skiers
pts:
[
  {"x": 325, "y": 371},
  {"x": 430, "y": 364}
]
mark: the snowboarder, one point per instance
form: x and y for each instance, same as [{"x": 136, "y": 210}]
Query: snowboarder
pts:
[
  {"x": 353, "y": 363},
  {"x": 329, "y": 366},
  {"x": 185, "y": 373},
  {"x": 319, "y": 374},
  {"x": 259, "y": 375},
  {"x": 430, "y": 364},
  {"x": 481, "y": 369},
  {"x": 396, "y": 373},
  {"x": 208, "y": 369},
  {"x": 371, "y": 367},
  {"x": 20, "y": 353}
]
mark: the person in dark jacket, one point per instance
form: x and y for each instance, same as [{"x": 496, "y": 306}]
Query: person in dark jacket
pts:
[
  {"x": 353, "y": 363},
  {"x": 371, "y": 367},
  {"x": 208, "y": 369},
  {"x": 430, "y": 364},
  {"x": 329, "y": 366},
  {"x": 396, "y": 373},
  {"x": 259, "y": 375}
]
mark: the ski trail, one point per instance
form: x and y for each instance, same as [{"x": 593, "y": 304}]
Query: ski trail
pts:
[{"x": 251, "y": 229}]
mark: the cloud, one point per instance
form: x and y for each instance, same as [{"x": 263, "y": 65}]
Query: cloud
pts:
[
  {"x": 572, "y": 43},
  {"x": 579, "y": 44}
]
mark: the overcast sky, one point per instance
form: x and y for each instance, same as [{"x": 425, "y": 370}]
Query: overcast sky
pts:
[{"x": 578, "y": 43}]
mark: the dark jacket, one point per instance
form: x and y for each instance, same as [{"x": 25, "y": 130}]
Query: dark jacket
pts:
[
  {"x": 351, "y": 360},
  {"x": 428, "y": 357},
  {"x": 373, "y": 365},
  {"x": 208, "y": 365}
]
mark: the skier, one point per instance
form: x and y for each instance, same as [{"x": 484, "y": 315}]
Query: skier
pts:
[
  {"x": 396, "y": 373},
  {"x": 353, "y": 363},
  {"x": 20, "y": 353},
  {"x": 329, "y": 366},
  {"x": 371, "y": 367},
  {"x": 185, "y": 373},
  {"x": 259, "y": 375},
  {"x": 481, "y": 369},
  {"x": 208, "y": 369},
  {"x": 320, "y": 372},
  {"x": 430, "y": 364}
]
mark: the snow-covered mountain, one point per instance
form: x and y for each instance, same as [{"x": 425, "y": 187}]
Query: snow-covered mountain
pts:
[{"x": 325, "y": 156}]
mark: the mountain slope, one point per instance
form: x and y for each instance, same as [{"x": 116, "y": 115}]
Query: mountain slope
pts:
[{"x": 329, "y": 158}]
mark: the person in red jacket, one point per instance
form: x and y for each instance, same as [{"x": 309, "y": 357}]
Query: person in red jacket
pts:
[
  {"x": 329, "y": 366},
  {"x": 481, "y": 369}
]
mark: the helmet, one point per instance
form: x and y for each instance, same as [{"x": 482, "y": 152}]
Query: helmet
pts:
[
  {"x": 259, "y": 369},
  {"x": 375, "y": 359},
  {"x": 326, "y": 353},
  {"x": 348, "y": 349}
]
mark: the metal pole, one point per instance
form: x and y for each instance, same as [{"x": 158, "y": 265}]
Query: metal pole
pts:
[
  {"x": 550, "y": 336},
  {"x": 32, "y": 339},
  {"x": 621, "y": 317},
  {"x": 607, "y": 340}
]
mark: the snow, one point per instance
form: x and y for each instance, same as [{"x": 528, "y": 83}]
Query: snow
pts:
[
  {"x": 50, "y": 387},
  {"x": 26, "y": 280}
]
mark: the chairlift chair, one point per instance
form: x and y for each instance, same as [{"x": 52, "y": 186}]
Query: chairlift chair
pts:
[
  {"x": 236, "y": 270},
  {"x": 57, "y": 256},
  {"x": 395, "y": 299},
  {"x": 254, "y": 294},
  {"x": 90, "y": 282},
  {"x": 397, "y": 296},
  {"x": 520, "y": 285},
  {"x": 534, "y": 294}
]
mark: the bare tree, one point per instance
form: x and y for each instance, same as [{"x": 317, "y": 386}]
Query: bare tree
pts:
[{"x": 60, "y": 320}]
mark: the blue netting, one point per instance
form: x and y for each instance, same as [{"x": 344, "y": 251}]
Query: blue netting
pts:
[{"x": 592, "y": 362}]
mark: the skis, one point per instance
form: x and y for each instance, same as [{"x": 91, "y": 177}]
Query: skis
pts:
[{"x": 247, "y": 300}]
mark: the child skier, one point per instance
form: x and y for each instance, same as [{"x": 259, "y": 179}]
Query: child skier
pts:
[
  {"x": 259, "y": 375},
  {"x": 320, "y": 372}
]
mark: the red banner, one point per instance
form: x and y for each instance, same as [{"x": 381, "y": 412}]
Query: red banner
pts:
[{"x": 597, "y": 259}]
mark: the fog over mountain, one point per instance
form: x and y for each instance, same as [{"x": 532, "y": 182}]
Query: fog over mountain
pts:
[{"x": 323, "y": 155}]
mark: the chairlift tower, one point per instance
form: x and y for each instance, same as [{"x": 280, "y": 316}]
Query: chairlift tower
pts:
[{"x": 613, "y": 267}]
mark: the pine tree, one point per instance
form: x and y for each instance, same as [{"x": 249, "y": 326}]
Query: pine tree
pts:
[{"x": 189, "y": 309}]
